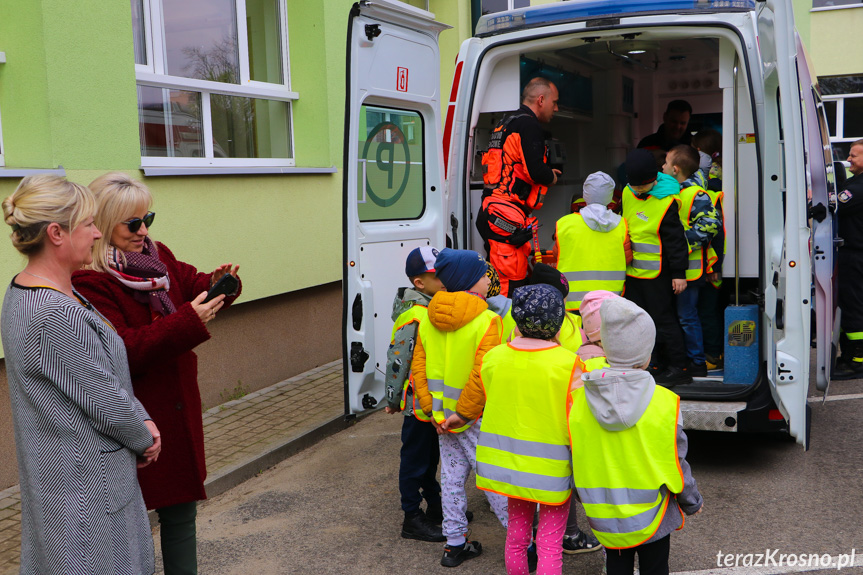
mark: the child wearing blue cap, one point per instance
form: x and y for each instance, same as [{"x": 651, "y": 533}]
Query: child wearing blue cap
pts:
[
  {"x": 419, "y": 453},
  {"x": 459, "y": 331}
]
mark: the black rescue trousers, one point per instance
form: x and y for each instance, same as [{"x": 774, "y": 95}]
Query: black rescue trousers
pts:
[
  {"x": 420, "y": 455},
  {"x": 652, "y": 558},
  {"x": 655, "y": 296},
  {"x": 850, "y": 288}
]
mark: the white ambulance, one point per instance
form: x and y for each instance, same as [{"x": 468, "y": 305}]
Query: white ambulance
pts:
[{"x": 414, "y": 180}]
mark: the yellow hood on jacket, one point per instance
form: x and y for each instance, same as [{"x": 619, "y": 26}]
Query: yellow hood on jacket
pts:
[{"x": 448, "y": 311}]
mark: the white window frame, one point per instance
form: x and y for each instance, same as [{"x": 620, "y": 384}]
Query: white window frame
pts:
[
  {"x": 510, "y": 5},
  {"x": 153, "y": 74},
  {"x": 814, "y": 8},
  {"x": 840, "y": 138}
]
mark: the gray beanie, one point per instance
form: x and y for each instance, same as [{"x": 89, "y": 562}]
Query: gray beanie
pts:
[
  {"x": 628, "y": 333},
  {"x": 598, "y": 189}
]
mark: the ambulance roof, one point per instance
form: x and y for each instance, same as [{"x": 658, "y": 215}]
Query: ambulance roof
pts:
[{"x": 576, "y": 10}]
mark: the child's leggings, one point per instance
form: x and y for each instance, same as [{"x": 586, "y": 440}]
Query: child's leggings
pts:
[
  {"x": 549, "y": 537},
  {"x": 457, "y": 460}
]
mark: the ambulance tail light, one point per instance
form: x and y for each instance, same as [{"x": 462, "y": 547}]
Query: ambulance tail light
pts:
[
  {"x": 775, "y": 415},
  {"x": 450, "y": 115},
  {"x": 581, "y": 10}
]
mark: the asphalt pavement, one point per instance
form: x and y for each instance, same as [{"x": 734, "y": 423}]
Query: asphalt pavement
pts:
[{"x": 334, "y": 509}]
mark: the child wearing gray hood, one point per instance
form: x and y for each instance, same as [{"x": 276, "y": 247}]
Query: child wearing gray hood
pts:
[{"x": 629, "y": 448}]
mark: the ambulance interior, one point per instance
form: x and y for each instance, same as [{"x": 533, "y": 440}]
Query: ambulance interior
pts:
[{"x": 614, "y": 87}]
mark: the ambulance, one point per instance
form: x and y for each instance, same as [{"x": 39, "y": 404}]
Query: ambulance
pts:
[{"x": 413, "y": 174}]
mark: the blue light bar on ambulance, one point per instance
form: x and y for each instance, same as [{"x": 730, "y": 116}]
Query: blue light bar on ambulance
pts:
[{"x": 576, "y": 10}]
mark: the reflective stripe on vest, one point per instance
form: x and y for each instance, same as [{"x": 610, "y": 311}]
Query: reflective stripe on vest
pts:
[
  {"x": 450, "y": 358},
  {"x": 643, "y": 217},
  {"x": 619, "y": 474},
  {"x": 589, "y": 259},
  {"x": 418, "y": 313},
  {"x": 696, "y": 255},
  {"x": 524, "y": 451}
]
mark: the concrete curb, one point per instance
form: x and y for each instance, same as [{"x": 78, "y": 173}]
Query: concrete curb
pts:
[{"x": 236, "y": 474}]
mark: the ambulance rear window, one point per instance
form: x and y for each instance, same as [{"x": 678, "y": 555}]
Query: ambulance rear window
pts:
[{"x": 589, "y": 9}]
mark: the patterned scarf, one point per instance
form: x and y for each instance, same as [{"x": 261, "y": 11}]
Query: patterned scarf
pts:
[{"x": 145, "y": 275}]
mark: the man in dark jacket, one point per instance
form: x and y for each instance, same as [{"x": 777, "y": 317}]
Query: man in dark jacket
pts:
[
  {"x": 673, "y": 130},
  {"x": 517, "y": 176},
  {"x": 850, "y": 285}
]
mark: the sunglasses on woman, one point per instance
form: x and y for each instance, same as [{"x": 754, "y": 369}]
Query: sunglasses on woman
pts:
[{"x": 135, "y": 223}]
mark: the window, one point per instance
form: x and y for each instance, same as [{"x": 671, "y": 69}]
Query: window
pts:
[
  {"x": 213, "y": 82},
  {"x": 843, "y": 105},
  {"x": 391, "y": 180},
  {"x": 491, "y": 6},
  {"x": 836, "y": 3}
]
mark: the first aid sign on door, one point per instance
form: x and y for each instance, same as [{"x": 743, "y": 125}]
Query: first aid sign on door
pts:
[{"x": 402, "y": 80}]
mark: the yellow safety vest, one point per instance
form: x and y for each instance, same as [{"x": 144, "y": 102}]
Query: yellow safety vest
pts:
[
  {"x": 712, "y": 257},
  {"x": 508, "y": 326},
  {"x": 449, "y": 360},
  {"x": 523, "y": 447},
  {"x": 618, "y": 474},
  {"x": 696, "y": 256},
  {"x": 593, "y": 363},
  {"x": 570, "y": 333},
  {"x": 418, "y": 313},
  {"x": 589, "y": 259},
  {"x": 643, "y": 217}
]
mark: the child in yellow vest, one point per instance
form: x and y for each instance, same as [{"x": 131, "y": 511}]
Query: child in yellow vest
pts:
[
  {"x": 420, "y": 454},
  {"x": 522, "y": 451},
  {"x": 702, "y": 224},
  {"x": 459, "y": 331},
  {"x": 629, "y": 448}
]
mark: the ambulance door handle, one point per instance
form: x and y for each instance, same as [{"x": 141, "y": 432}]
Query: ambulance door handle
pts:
[
  {"x": 357, "y": 313},
  {"x": 453, "y": 221},
  {"x": 373, "y": 31}
]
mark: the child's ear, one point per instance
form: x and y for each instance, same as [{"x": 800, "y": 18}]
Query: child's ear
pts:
[{"x": 418, "y": 283}]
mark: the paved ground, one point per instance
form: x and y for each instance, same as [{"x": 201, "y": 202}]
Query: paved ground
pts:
[{"x": 242, "y": 438}]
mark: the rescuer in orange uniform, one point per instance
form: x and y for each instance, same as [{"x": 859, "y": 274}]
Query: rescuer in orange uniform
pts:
[{"x": 517, "y": 176}]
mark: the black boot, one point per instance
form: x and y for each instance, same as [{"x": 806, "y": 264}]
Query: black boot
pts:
[
  {"x": 673, "y": 376},
  {"x": 417, "y": 526},
  {"x": 848, "y": 370}
]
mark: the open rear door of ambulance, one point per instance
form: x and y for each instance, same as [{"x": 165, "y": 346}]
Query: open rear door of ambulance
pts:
[
  {"x": 822, "y": 214},
  {"x": 786, "y": 334},
  {"x": 393, "y": 177}
]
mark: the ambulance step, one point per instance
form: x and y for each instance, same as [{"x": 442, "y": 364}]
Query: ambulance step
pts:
[{"x": 711, "y": 415}]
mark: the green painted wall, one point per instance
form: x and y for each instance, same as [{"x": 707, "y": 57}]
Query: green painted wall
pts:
[
  {"x": 834, "y": 41},
  {"x": 802, "y": 20}
]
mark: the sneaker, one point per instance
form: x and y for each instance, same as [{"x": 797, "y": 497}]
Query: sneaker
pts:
[
  {"x": 581, "y": 542},
  {"x": 847, "y": 370},
  {"x": 672, "y": 376},
  {"x": 697, "y": 369},
  {"x": 714, "y": 361},
  {"x": 454, "y": 556},
  {"x": 417, "y": 526}
]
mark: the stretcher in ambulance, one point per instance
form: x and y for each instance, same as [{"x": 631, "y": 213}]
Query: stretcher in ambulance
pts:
[{"x": 412, "y": 179}]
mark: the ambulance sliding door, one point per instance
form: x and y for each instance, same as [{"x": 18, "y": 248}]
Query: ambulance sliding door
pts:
[{"x": 393, "y": 177}]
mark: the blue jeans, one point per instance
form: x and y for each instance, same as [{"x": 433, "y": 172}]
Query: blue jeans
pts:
[{"x": 687, "y": 311}]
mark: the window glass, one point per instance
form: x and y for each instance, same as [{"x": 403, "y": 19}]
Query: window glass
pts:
[
  {"x": 841, "y": 151},
  {"x": 853, "y": 118},
  {"x": 138, "y": 36},
  {"x": 250, "y": 128},
  {"x": 521, "y": 4},
  {"x": 170, "y": 123},
  {"x": 201, "y": 39},
  {"x": 265, "y": 41},
  {"x": 831, "y": 3},
  {"x": 830, "y": 111},
  {"x": 491, "y": 6},
  {"x": 835, "y": 85},
  {"x": 390, "y": 176}
]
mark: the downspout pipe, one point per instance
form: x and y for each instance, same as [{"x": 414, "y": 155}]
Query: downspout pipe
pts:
[{"x": 475, "y": 13}]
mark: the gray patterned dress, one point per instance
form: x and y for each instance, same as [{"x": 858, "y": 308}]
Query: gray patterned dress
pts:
[{"x": 78, "y": 427}]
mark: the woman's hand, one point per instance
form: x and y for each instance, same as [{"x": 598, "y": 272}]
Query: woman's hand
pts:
[
  {"x": 151, "y": 454},
  {"x": 207, "y": 311},
  {"x": 222, "y": 270}
]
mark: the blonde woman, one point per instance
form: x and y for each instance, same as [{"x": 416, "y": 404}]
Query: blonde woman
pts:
[
  {"x": 78, "y": 427},
  {"x": 156, "y": 303}
]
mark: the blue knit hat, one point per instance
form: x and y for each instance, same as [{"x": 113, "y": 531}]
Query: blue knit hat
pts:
[
  {"x": 459, "y": 270},
  {"x": 538, "y": 310}
]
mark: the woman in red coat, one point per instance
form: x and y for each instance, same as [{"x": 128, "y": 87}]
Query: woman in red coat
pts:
[{"x": 156, "y": 304}]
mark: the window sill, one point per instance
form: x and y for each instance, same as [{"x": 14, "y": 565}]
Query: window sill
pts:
[
  {"x": 24, "y": 172},
  {"x": 831, "y": 8},
  {"x": 151, "y": 171}
]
